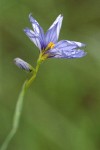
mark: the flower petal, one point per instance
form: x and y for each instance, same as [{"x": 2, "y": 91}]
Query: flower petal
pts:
[
  {"x": 65, "y": 44},
  {"x": 52, "y": 34},
  {"x": 69, "y": 54},
  {"x": 38, "y": 30},
  {"x": 67, "y": 49},
  {"x": 33, "y": 37}
]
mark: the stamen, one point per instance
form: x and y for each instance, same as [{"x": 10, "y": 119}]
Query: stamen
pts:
[
  {"x": 44, "y": 54},
  {"x": 50, "y": 46}
]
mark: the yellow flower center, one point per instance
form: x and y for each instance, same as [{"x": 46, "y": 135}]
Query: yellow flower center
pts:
[
  {"x": 50, "y": 46},
  {"x": 44, "y": 55}
]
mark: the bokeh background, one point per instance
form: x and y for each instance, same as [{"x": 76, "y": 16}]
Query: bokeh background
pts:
[{"x": 61, "y": 109}]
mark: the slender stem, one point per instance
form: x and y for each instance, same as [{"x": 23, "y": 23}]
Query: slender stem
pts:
[
  {"x": 19, "y": 105},
  {"x": 29, "y": 82},
  {"x": 16, "y": 118}
]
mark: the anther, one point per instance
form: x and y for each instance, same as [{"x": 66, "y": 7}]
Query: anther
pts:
[{"x": 50, "y": 46}]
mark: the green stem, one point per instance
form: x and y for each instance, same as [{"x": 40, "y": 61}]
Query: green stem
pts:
[
  {"x": 16, "y": 118},
  {"x": 29, "y": 82},
  {"x": 19, "y": 105}
]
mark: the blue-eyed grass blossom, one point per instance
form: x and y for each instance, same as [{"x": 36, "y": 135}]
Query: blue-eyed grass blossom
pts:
[{"x": 49, "y": 47}]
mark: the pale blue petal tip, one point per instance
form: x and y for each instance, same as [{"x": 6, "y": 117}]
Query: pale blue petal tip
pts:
[
  {"x": 26, "y": 30},
  {"x": 30, "y": 15}
]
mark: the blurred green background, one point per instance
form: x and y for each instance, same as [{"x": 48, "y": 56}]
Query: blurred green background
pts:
[{"x": 61, "y": 109}]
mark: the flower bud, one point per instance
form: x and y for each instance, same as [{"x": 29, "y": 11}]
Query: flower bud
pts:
[{"x": 23, "y": 65}]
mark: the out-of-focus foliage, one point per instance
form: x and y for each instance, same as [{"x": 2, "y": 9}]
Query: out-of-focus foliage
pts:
[{"x": 62, "y": 108}]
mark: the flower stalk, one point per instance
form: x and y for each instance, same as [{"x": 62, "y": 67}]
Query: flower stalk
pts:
[
  {"x": 19, "y": 106},
  {"x": 29, "y": 82}
]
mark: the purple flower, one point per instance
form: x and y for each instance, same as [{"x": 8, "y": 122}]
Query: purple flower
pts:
[{"x": 48, "y": 43}]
